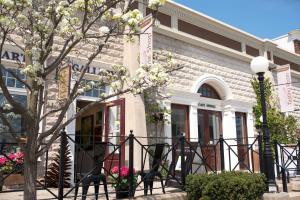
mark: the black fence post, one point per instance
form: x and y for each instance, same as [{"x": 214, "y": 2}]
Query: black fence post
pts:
[
  {"x": 284, "y": 182},
  {"x": 298, "y": 157},
  {"x": 261, "y": 156},
  {"x": 277, "y": 159},
  {"x": 63, "y": 140},
  {"x": 131, "y": 157},
  {"x": 222, "y": 153},
  {"x": 182, "y": 161}
]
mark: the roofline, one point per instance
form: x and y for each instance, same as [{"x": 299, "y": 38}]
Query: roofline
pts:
[
  {"x": 218, "y": 22},
  {"x": 280, "y": 37}
]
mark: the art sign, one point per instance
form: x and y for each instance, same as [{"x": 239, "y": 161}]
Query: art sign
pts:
[
  {"x": 285, "y": 88},
  {"x": 146, "y": 41}
]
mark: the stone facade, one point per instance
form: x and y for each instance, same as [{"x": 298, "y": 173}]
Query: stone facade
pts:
[{"x": 197, "y": 61}]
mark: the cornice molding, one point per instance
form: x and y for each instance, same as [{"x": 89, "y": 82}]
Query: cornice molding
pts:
[{"x": 193, "y": 40}]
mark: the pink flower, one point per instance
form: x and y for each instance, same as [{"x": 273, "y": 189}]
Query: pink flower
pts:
[
  {"x": 19, "y": 155},
  {"x": 115, "y": 170},
  {"x": 11, "y": 156},
  {"x": 124, "y": 171},
  {"x": 2, "y": 160}
]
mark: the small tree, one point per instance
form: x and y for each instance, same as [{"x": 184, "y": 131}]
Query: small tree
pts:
[
  {"x": 49, "y": 33},
  {"x": 52, "y": 176},
  {"x": 282, "y": 128}
]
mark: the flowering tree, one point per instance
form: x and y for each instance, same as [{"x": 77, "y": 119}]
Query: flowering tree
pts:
[{"x": 48, "y": 33}]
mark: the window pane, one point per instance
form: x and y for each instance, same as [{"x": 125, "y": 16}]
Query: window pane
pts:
[
  {"x": 201, "y": 127},
  {"x": 19, "y": 84},
  {"x": 214, "y": 128},
  {"x": 95, "y": 92},
  {"x": 11, "y": 82},
  {"x": 179, "y": 119},
  {"x": 14, "y": 119}
]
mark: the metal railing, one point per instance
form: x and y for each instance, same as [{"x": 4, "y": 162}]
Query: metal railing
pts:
[{"x": 180, "y": 156}]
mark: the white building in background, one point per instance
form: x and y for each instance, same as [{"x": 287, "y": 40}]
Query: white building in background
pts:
[{"x": 211, "y": 94}]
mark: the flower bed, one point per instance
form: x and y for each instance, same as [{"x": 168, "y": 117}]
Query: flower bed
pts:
[{"x": 11, "y": 168}]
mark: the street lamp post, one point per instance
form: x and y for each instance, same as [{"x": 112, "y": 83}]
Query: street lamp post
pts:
[{"x": 260, "y": 65}]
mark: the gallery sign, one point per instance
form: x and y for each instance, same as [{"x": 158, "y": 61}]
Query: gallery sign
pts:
[
  {"x": 146, "y": 41},
  {"x": 285, "y": 92},
  {"x": 90, "y": 70}
]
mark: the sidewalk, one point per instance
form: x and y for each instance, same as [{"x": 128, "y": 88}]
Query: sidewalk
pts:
[{"x": 171, "y": 193}]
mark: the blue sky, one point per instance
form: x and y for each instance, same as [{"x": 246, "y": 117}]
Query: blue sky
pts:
[{"x": 262, "y": 18}]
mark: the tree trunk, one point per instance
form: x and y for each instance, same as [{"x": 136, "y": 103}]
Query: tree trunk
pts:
[{"x": 30, "y": 173}]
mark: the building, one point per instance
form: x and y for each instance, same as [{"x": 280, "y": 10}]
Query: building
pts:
[{"x": 211, "y": 94}]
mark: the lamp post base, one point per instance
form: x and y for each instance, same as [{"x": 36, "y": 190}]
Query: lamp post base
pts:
[{"x": 272, "y": 188}]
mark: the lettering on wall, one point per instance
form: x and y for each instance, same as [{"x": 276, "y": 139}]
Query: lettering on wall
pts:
[
  {"x": 90, "y": 70},
  {"x": 14, "y": 56},
  {"x": 10, "y": 55},
  {"x": 206, "y": 105}
]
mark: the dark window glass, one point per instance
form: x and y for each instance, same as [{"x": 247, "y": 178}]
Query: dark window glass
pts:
[
  {"x": 10, "y": 80},
  {"x": 15, "y": 119},
  {"x": 95, "y": 91},
  {"x": 179, "y": 119},
  {"x": 208, "y": 91}
]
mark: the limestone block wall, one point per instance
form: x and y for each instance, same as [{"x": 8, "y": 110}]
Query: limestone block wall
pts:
[
  {"x": 296, "y": 96},
  {"x": 198, "y": 61},
  {"x": 111, "y": 53}
]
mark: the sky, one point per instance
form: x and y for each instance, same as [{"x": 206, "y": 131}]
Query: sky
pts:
[{"x": 262, "y": 18}]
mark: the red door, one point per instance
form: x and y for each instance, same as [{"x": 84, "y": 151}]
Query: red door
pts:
[
  {"x": 209, "y": 130},
  {"x": 114, "y": 125}
]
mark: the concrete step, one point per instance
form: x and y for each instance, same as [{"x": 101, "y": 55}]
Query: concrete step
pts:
[
  {"x": 294, "y": 195},
  {"x": 280, "y": 188},
  {"x": 295, "y": 185}
]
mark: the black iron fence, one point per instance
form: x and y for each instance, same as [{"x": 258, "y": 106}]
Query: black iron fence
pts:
[{"x": 125, "y": 166}]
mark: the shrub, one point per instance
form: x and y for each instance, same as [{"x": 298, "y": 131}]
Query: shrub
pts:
[{"x": 225, "y": 186}]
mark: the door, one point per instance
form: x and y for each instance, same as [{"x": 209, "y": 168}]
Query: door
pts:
[
  {"x": 209, "y": 130},
  {"x": 242, "y": 140},
  {"x": 115, "y": 132}
]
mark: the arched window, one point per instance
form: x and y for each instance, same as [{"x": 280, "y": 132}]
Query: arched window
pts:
[{"x": 208, "y": 91}]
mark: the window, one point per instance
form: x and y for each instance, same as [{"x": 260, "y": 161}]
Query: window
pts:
[
  {"x": 10, "y": 80},
  {"x": 96, "y": 91},
  {"x": 207, "y": 91},
  {"x": 15, "y": 119},
  {"x": 180, "y": 120}
]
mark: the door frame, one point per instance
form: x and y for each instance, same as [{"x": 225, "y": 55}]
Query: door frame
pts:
[{"x": 119, "y": 102}]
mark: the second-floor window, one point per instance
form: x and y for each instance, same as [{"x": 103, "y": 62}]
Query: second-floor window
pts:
[
  {"x": 96, "y": 90},
  {"x": 10, "y": 80}
]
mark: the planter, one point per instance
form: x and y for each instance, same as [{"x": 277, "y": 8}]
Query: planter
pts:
[
  {"x": 13, "y": 181},
  {"x": 123, "y": 193}
]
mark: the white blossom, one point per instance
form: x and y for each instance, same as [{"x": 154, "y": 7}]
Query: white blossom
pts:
[
  {"x": 7, "y": 106},
  {"x": 154, "y": 4},
  {"x": 104, "y": 30}
]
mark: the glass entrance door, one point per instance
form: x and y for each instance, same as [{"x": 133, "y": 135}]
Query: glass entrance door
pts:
[
  {"x": 209, "y": 130},
  {"x": 242, "y": 140},
  {"x": 115, "y": 132}
]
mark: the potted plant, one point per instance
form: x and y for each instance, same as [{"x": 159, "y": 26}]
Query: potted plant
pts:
[
  {"x": 11, "y": 170},
  {"x": 121, "y": 181}
]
